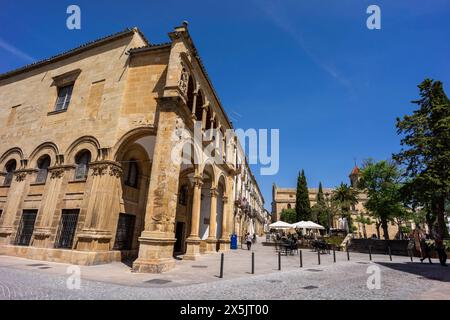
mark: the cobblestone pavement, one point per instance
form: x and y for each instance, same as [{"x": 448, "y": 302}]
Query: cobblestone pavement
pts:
[{"x": 400, "y": 279}]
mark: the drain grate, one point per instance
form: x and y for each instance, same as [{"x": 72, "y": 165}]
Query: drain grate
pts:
[
  {"x": 200, "y": 267},
  {"x": 35, "y": 265},
  {"x": 363, "y": 262},
  {"x": 310, "y": 287},
  {"x": 314, "y": 270},
  {"x": 43, "y": 268},
  {"x": 158, "y": 281}
]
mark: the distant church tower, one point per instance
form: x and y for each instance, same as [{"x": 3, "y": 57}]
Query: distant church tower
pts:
[{"x": 354, "y": 177}]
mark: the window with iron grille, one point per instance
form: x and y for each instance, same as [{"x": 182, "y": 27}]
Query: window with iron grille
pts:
[
  {"x": 82, "y": 165},
  {"x": 124, "y": 234},
  {"x": 43, "y": 164},
  {"x": 26, "y": 227},
  {"x": 9, "y": 168},
  {"x": 66, "y": 229},
  {"x": 64, "y": 96}
]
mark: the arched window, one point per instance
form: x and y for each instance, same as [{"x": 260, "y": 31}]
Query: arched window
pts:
[
  {"x": 43, "y": 163},
  {"x": 82, "y": 160},
  {"x": 183, "y": 195},
  {"x": 9, "y": 168},
  {"x": 289, "y": 206},
  {"x": 133, "y": 174}
]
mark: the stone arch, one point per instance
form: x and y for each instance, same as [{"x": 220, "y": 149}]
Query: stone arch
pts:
[
  {"x": 88, "y": 143},
  {"x": 46, "y": 148},
  {"x": 13, "y": 153},
  {"x": 130, "y": 137}
]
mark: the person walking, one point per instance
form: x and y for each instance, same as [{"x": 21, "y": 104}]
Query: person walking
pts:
[
  {"x": 440, "y": 249},
  {"x": 249, "y": 239},
  {"x": 425, "y": 248}
]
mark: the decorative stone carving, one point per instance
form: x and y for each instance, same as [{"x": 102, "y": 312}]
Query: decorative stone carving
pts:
[
  {"x": 99, "y": 169},
  {"x": 56, "y": 173},
  {"x": 115, "y": 171},
  {"x": 22, "y": 174},
  {"x": 184, "y": 80}
]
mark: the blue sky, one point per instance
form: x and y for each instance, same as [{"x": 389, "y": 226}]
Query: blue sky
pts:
[{"x": 309, "y": 68}]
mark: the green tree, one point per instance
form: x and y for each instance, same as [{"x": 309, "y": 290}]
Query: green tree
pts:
[
  {"x": 302, "y": 204},
  {"x": 321, "y": 212},
  {"x": 364, "y": 221},
  {"x": 382, "y": 182},
  {"x": 425, "y": 152},
  {"x": 288, "y": 215},
  {"x": 344, "y": 198}
]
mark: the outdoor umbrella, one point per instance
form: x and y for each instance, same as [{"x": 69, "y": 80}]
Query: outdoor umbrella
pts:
[{"x": 280, "y": 225}]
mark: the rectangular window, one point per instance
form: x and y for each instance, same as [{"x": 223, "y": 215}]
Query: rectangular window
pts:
[
  {"x": 66, "y": 229},
  {"x": 124, "y": 234},
  {"x": 64, "y": 96},
  {"x": 26, "y": 227}
]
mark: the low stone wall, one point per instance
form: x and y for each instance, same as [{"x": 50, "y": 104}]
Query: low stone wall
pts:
[
  {"x": 64, "y": 256},
  {"x": 398, "y": 247}
]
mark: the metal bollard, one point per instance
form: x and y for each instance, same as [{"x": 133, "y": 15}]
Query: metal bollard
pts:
[
  {"x": 370, "y": 253},
  {"x": 222, "y": 257},
  {"x": 301, "y": 259},
  {"x": 318, "y": 256},
  {"x": 348, "y": 255},
  {"x": 334, "y": 254},
  {"x": 253, "y": 263},
  {"x": 279, "y": 261},
  {"x": 390, "y": 253},
  {"x": 411, "y": 256}
]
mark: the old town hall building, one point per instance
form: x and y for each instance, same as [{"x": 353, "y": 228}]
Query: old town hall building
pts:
[{"x": 86, "y": 170}]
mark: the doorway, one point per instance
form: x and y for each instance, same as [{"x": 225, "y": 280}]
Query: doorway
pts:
[{"x": 179, "y": 235}]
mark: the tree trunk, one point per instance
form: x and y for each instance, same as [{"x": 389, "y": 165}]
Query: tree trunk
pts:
[
  {"x": 364, "y": 231},
  {"x": 438, "y": 208},
  {"x": 377, "y": 224},
  {"x": 384, "y": 225}
]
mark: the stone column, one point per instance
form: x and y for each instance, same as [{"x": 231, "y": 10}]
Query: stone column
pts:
[
  {"x": 211, "y": 242},
  {"x": 51, "y": 204},
  {"x": 17, "y": 191},
  {"x": 158, "y": 238},
  {"x": 204, "y": 114},
  {"x": 226, "y": 219},
  {"x": 102, "y": 207},
  {"x": 193, "y": 242},
  {"x": 194, "y": 104}
]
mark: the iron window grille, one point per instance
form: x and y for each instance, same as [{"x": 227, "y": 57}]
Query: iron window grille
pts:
[
  {"x": 64, "y": 96},
  {"x": 67, "y": 228},
  {"x": 26, "y": 227},
  {"x": 124, "y": 233}
]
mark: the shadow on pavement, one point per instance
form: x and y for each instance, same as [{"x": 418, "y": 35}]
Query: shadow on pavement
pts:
[{"x": 429, "y": 271}]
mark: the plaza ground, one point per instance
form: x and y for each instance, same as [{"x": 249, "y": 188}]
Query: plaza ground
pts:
[{"x": 198, "y": 280}]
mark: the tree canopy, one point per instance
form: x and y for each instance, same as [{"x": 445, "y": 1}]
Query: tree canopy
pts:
[{"x": 425, "y": 153}]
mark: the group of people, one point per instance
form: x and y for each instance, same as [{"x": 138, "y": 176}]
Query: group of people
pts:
[{"x": 419, "y": 240}]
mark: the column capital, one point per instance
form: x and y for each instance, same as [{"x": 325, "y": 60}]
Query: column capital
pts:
[
  {"x": 225, "y": 199},
  {"x": 214, "y": 192},
  {"x": 198, "y": 181}
]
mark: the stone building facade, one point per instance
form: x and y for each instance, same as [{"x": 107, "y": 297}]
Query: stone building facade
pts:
[
  {"x": 284, "y": 198},
  {"x": 90, "y": 143}
]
